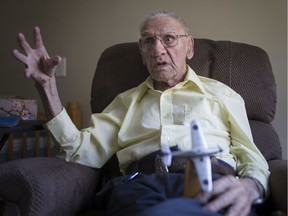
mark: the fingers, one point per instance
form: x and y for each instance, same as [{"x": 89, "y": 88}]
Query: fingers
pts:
[
  {"x": 223, "y": 184},
  {"x": 19, "y": 56},
  {"x": 55, "y": 61},
  {"x": 242, "y": 208},
  {"x": 27, "y": 73},
  {"x": 37, "y": 41},
  {"x": 224, "y": 193},
  {"x": 219, "y": 186},
  {"x": 221, "y": 202},
  {"x": 23, "y": 43},
  {"x": 24, "y": 46},
  {"x": 37, "y": 37},
  {"x": 231, "y": 194},
  {"x": 49, "y": 65}
]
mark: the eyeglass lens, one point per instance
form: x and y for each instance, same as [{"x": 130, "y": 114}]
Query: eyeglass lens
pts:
[{"x": 169, "y": 39}]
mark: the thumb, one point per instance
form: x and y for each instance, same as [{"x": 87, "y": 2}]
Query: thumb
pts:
[
  {"x": 55, "y": 61},
  {"x": 50, "y": 64}
]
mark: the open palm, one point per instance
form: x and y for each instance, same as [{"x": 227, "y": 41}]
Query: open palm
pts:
[{"x": 39, "y": 65}]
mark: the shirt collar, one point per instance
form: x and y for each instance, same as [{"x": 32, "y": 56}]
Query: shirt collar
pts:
[{"x": 190, "y": 79}]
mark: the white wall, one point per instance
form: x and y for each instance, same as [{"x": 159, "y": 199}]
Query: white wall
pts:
[{"x": 81, "y": 30}]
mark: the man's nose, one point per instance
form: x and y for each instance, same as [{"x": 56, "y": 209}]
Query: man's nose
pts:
[{"x": 158, "y": 48}]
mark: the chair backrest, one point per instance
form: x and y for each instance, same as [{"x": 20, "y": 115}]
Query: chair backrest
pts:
[{"x": 245, "y": 68}]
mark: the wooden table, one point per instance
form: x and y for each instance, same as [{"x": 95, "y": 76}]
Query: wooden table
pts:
[{"x": 23, "y": 126}]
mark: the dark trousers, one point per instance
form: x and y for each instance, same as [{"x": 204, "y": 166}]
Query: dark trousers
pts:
[{"x": 148, "y": 195}]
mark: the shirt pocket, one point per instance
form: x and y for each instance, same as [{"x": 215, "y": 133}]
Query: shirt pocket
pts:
[{"x": 206, "y": 111}]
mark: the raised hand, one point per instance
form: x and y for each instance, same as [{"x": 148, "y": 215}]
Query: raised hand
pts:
[
  {"x": 41, "y": 68},
  {"x": 39, "y": 65}
]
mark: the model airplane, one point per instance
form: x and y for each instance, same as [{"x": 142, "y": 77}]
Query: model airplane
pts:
[{"x": 198, "y": 158}]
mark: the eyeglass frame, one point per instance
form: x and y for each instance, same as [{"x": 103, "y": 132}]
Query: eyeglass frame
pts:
[{"x": 160, "y": 38}]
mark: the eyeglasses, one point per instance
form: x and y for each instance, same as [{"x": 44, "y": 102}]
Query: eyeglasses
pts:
[{"x": 169, "y": 39}]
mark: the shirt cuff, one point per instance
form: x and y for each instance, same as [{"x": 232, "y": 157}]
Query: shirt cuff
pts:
[
  {"x": 260, "y": 189},
  {"x": 61, "y": 127}
]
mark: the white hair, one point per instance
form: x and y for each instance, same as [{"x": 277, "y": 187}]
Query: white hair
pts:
[{"x": 163, "y": 14}]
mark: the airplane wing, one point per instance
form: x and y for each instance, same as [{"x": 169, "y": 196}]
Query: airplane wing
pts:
[
  {"x": 166, "y": 155},
  {"x": 202, "y": 163},
  {"x": 203, "y": 169}
]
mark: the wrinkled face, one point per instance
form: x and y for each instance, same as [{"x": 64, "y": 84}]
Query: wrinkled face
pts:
[{"x": 165, "y": 48}]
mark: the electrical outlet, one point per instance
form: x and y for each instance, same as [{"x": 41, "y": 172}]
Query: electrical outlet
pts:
[{"x": 61, "y": 69}]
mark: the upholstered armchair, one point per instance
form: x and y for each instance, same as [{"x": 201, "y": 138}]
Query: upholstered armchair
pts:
[{"x": 50, "y": 186}]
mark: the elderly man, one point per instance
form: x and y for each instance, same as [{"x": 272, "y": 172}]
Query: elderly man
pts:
[{"x": 158, "y": 112}]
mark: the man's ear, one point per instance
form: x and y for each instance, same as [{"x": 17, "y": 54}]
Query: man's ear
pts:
[
  {"x": 190, "y": 51},
  {"x": 143, "y": 60}
]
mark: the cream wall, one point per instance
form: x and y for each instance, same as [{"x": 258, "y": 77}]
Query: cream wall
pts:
[{"x": 81, "y": 30}]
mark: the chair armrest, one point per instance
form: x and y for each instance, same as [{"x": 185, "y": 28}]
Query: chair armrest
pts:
[
  {"x": 278, "y": 184},
  {"x": 47, "y": 186}
]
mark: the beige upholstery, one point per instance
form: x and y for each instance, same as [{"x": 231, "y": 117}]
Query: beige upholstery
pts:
[{"x": 243, "y": 67}]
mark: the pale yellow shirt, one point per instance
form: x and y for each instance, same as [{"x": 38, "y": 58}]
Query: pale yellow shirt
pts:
[{"x": 142, "y": 119}]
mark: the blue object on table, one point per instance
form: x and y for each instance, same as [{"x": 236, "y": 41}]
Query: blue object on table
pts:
[{"x": 9, "y": 121}]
